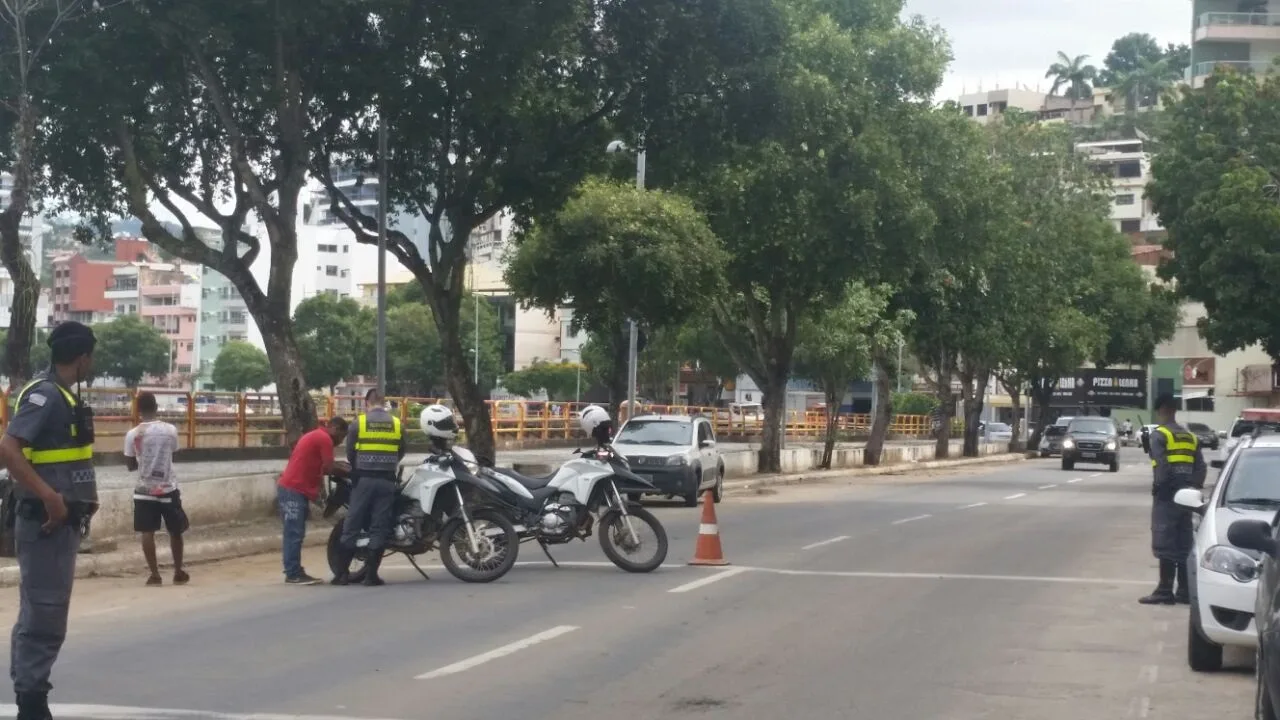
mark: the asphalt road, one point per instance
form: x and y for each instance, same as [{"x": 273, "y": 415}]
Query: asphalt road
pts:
[{"x": 998, "y": 592}]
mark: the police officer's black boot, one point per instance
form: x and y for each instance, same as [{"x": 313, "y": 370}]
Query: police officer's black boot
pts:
[
  {"x": 1182, "y": 595},
  {"x": 371, "y": 566},
  {"x": 33, "y": 706},
  {"x": 1163, "y": 594},
  {"x": 343, "y": 576}
]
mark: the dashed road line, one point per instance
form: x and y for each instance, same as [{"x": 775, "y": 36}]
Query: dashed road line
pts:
[
  {"x": 911, "y": 519},
  {"x": 1048, "y": 487},
  {"x": 1015, "y": 496},
  {"x": 829, "y": 541},
  {"x": 500, "y": 652},
  {"x": 703, "y": 582},
  {"x": 1096, "y": 475},
  {"x": 970, "y": 507},
  {"x": 1075, "y": 480}
]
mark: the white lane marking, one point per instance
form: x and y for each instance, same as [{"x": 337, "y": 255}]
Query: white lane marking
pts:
[
  {"x": 1144, "y": 707},
  {"x": 121, "y": 712},
  {"x": 1075, "y": 480},
  {"x": 531, "y": 563},
  {"x": 1047, "y": 487},
  {"x": 829, "y": 541},
  {"x": 1096, "y": 475},
  {"x": 911, "y": 519},
  {"x": 722, "y": 575},
  {"x": 1016, "y": 496},
  {"x": 948, "y": 576},
  {"x": 500, "y": 652},
  {"x": 104, "y": 611},
  {"x": 970, "y": 507}
]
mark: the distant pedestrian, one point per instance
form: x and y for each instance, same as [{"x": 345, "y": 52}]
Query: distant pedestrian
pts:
[
  {"x": 1176, "y": 463},
  {"x": 148, "y": 449},
  {"x": 299, "y": 485}
]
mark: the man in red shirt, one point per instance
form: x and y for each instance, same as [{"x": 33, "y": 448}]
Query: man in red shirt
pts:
[{"x": 299, "y": 485}]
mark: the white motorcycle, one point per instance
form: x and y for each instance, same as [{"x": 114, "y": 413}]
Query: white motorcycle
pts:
[
  {"x": 562, "y": 506},
  {"x": 445, "y": 504}
]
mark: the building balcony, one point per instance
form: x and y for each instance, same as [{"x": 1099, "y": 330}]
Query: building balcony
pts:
[
  {"x": 1201, "y": 71},
  {"x": 1237, "y": 27}
]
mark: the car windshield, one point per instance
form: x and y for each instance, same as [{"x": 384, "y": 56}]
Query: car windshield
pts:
[
  {"x": 656, "y": 432},
  {"x": 1254, "y": 478},
  {"x": 1055, "y": 430},
  {"x": 1246, "y": 427},
  {"x": 999, "y": 427},
  {"x": 1100, "y": 425},
  {"x": 1199, "y": 427}
]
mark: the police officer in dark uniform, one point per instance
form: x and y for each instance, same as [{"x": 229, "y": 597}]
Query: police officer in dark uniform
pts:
[
  {"x": 375, "y": 445},
  {"x": 1176, "y": 463},
  {"x": 48, "y": 448}
]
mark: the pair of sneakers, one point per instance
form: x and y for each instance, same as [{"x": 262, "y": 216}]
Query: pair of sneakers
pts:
[
  {"x": 180, "y": 577},
  {"x": 302, "y": 578}
]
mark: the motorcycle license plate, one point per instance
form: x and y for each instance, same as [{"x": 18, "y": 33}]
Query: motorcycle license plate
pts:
[{"x": 1088, "y": 454}]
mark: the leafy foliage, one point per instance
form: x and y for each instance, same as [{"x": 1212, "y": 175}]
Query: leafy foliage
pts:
[
  {"x": 560, "y": 381},
  {"x": 334, "y": 339},
  {"x": 240, "y": 367},
  {"x": 914, "y": 403},
  {"x": 129, "y": 349},
  {"x": 1215, "y": 189},
  {"x": 1075, "y": 74}
]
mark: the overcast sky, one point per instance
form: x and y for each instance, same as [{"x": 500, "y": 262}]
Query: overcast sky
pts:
[{"x": 1002, "y": 42}]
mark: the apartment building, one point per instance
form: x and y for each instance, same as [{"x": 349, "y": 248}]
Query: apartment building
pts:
[
  {"x": 1129, "y": 167},
  {"x": 80, "y": 289},
  {"x": 1244, "y": 34}
]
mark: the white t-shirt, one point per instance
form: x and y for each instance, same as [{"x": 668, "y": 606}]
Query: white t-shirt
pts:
[{"x": 153, "y": 444}]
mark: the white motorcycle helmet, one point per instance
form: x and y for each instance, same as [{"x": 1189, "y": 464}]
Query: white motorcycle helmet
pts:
[
  {"x": 437, "y": 422},
  {"x": 596, "y": 423}
]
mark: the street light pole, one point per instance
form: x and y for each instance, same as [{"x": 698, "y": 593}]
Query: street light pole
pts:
[
  {"x": 633, "y": 352},
  {"x": 382, "y": 255},
  {"x": 475, "y": 319}
]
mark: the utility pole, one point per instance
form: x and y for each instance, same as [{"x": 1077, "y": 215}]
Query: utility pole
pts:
[
  {"x": 382, "y": 255},
  {"x": 633, "y": 352}
]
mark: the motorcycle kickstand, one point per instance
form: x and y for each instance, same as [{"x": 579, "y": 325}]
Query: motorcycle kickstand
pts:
[
  {"x": 415, "y": 565},
  {"x": 547, "y": 552}
]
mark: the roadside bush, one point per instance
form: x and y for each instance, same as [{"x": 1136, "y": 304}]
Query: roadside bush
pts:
[{"x": 914, "y": 403}]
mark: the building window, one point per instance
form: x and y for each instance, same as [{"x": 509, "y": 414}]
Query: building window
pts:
[
  {"x": 1127, "y": 199},
  {"x": 982, "y": 110},
  {"x": 1130, "y": 226},
  {"x": 1131, "y": 169},
  {"x": 331, "y": 270},
  {"x": 345, "y": 248},
  {"x": 1200, "y": 404}
]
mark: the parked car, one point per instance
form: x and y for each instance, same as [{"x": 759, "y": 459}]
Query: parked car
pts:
[
  {"x": 997, "y": 433},
  {"x": 1207, "y": 436},
  {"x": 1091, "y": 440},
  {"x": 1051, "y": 440},
  {"x": 1244, "y": 426},
  {"x": 1224, "y": 575},
  {"x": 676, "y": 453}
]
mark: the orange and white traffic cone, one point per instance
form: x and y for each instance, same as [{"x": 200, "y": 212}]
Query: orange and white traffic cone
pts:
[{"x": 708, "y": 551}]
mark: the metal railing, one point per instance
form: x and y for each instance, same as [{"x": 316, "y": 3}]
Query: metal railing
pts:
[
  {"x": 209, "y": 420},
  {"x": 1219, "y": 19},
  {"x": 1201, "y": 69}
]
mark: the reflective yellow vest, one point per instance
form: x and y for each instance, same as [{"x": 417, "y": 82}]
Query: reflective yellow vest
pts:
[
  {"x": 74, "y": 453},
  {"x": 1179, "y": 447},
  {"x": 377, "y": 444}
]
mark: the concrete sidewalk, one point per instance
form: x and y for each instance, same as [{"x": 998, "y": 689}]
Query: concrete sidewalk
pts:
[{"x": 223, "y": 542}]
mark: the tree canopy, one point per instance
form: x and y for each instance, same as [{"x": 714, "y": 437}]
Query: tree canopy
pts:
[
  {"x": 240, "y": 366},
  {"x": 336, "y": 339},
  {"x": 559, "y": 381},
  {"x": 130, "y": 349}
]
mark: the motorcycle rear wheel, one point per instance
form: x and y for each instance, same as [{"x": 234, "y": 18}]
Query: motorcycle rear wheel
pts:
[
  {"x": 500, "y": 547},
  {"x": 614, "y": 539},
  {"x": 333, "y": 553}
]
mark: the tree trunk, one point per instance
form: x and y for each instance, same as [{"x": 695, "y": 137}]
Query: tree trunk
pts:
[
  {"x": 619, "y": 351},
  {"x": 883, "y": 417},
  {"x": 834, "y": 395},
  {"x": 974, "y": 390},
  {"x": 296, "y": 406},
  {"x": 1040, "y": 396},
  {"x": 946, "y": 407},
  {"x": 1015, "y": 399},
  {"x": 774, "y": 390},
  {"x": 446, "y": 305},
  {"x": 26, "y": 299}
]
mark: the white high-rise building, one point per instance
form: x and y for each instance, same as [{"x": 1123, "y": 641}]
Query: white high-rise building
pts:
[
  {"x": 1129, "y": 167},
  {"x": 1244, "y": 34}
]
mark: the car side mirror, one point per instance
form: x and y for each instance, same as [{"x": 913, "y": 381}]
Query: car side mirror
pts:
[
  {"x": 1190, "y": 498},
  {"x": 1252, "y": 535},
  {"x": 1222, "y": 434}
]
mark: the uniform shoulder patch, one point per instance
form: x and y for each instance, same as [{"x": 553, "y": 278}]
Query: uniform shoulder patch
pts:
[{"x": 37, "y": 399}]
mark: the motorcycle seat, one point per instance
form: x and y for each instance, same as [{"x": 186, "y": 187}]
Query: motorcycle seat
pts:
[{"x": 532, "y": 483}]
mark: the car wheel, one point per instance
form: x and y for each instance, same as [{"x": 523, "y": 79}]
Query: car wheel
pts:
[
  {"x": 691, "y": 500},
  {"x": 1263, "y": 708},
  {"x": 1068, "y": 464},
  {"x": 1115, "y": 465},
  {"x": 717, "y": 492},
  {"x": 1202, "y": 655}
]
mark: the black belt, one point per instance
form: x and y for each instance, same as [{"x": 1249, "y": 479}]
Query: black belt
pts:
[{"x": 79, "y": 512}]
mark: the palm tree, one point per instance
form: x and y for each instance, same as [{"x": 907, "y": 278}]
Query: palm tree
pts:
[
  {"x": 1143, "y": 85},
  {"x": 1073, "y": 74}
]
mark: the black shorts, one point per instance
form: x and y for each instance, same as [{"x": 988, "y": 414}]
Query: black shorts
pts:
[{"x": 147, "y": 514}]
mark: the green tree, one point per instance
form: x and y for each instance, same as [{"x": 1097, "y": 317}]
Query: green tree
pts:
[
  {"x": 1215, "y": 189},
  {"x": 1143, "y": 86},
  {"x": 40, "y": 353},
  {"x": 914, "y": 403},
  {"x": 240, "y": 367},
  {"x": 334, "y": 338},
  {"x": 646, "y": 256},
  {"x": 222, "y": 128},
  {"x": 129, "y": 349},
  {"x": 559, "y": 380},
  {"x": 791, "y": 150},
  {"x": 414, "y": 365},
  {"x": 835, "y": 346},
  {"x": 1127, "y": 54},
  {"x": 1075, "y": 74}
]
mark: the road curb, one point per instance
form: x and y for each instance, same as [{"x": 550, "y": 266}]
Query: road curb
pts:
[
  {"x": 131, "y": 562},
  {"x": 765, "y": 481}
]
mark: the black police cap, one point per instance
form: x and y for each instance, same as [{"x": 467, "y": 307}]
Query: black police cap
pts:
[
  {"x": 72, "y": 338},
  {"x": 1166, "y": 401}
]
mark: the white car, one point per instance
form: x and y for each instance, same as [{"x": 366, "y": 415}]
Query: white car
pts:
[
  {"x": 1240, "y": 429},
  {"x": 1224, "y": 577}
]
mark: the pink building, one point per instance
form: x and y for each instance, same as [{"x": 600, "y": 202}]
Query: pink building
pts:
[{"x": 169, "y": 300}]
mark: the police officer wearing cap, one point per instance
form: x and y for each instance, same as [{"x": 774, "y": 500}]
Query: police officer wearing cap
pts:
[
  {"x": 375, "y": 445},
  {"x": 1176, "y": 463},
  {"x": 48, "y": 448}
]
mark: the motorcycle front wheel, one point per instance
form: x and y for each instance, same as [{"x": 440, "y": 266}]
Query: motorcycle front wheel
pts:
[
  {"x": 642, "y": 553},
  {"x": 497, "y": 542}
]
